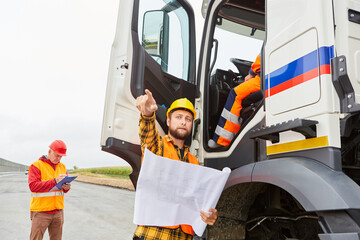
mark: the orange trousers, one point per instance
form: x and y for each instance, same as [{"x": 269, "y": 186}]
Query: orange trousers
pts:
[{"x": 229, "y": 122}]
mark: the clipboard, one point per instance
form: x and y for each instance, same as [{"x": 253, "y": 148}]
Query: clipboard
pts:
[{"x": 58, "y": 186}]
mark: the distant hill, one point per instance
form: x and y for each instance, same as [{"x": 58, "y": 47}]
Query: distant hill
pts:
[{"x": 8, "y": 166}]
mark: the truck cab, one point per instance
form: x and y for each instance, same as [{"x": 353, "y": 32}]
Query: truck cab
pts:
[{"x": 295, "y": 160}]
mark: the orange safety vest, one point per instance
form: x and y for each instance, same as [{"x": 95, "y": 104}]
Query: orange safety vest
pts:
[
  {"x": 47, "y": 201},
  {"x": 170, "y": 152}
]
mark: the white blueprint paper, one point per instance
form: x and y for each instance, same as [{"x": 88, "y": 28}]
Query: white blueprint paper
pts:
[{"x": 172, "y": 192}]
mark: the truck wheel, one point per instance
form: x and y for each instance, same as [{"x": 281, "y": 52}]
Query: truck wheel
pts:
[{"x": 258, "y": 211}]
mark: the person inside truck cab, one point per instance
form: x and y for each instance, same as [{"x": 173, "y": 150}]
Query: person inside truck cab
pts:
[
  {"x": 180, "y": 118},
  {"x": 229, "y": 122}
]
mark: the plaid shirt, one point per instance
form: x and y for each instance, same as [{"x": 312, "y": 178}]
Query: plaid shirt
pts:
[
  {"x": 150, "y": 138},
  {"x": 160, "y": 233}
]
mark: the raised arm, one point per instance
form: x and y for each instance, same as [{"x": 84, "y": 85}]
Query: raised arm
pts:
[{"x": 149, "y": 136}]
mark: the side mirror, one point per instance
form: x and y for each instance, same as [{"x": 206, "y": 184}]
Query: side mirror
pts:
[{"x": 155, "y": 36}]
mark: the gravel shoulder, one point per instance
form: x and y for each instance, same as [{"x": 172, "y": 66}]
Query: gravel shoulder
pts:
[{"x": 111, "y": 182}]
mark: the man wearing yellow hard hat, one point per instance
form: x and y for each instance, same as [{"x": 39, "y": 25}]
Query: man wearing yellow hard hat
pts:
[{"x": 180, "y": 118}]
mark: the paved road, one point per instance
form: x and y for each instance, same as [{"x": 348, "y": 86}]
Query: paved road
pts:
[{"x": 91, "y": 211}]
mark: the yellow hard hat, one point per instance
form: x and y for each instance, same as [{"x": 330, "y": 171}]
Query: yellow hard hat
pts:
[{"x": 182, "y": 103}]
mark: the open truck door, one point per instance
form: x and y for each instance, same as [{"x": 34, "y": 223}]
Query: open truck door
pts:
[{"x": 154, "y": 48}]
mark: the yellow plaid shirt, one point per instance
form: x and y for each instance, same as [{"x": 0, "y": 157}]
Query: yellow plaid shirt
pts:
[{"x": 150, "y": 138}]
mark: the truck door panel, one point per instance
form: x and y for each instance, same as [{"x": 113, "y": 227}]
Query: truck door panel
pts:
[
  {"x": 295, "y": 59},
  {"x": 298, "y": 53},
  {"x": 153, "y": 49},
  {"x": 297, "y": 70}
]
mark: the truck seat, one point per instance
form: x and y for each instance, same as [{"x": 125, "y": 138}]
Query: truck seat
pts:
[{"x": 249, "y": 104}]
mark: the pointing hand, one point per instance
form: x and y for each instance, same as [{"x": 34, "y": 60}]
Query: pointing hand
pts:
[{"x": 146, "y": 104}]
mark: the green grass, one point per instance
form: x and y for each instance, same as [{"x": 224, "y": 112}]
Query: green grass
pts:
[{"x": 113, "y": 172}]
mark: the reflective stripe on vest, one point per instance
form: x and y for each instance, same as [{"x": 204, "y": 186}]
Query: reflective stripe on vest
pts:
[
  {"x": 47, "y": 194},
  {"x": 47, "y": 201},
  {"x": 170, "y": 152}
]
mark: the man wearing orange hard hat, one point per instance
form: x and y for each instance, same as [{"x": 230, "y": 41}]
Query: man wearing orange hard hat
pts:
[{"x": 46, "y": 207}]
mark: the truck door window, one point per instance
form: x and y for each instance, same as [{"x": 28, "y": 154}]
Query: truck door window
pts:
[
  {"x": 164, "y": 34},
  {"x": 237, "y": 45},
  {"x": 242, "y": 47}
]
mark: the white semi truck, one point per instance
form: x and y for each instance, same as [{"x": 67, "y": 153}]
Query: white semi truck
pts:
[{"x": 296, "y": 159}]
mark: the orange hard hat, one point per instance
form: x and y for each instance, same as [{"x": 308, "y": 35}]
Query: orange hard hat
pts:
[{"x": 58, "y": 147}]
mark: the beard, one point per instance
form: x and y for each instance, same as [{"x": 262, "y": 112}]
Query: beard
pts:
[{"x": 179, "y": 135}]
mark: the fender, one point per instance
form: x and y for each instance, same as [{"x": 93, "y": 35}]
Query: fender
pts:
[
  {"x": 240, "y": 175},
  {"x": 314, "y": 185}
]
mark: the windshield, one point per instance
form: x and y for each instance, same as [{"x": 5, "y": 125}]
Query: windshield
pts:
[{"x": 235, "y": 41}]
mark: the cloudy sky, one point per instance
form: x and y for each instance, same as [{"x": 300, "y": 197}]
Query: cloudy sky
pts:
[
  {"x": 54, "y": 58},
  {"x": 54, "y": 61}
]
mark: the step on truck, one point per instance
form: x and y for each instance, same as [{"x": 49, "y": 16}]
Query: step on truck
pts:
[{"x": 296, "y": 159}]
